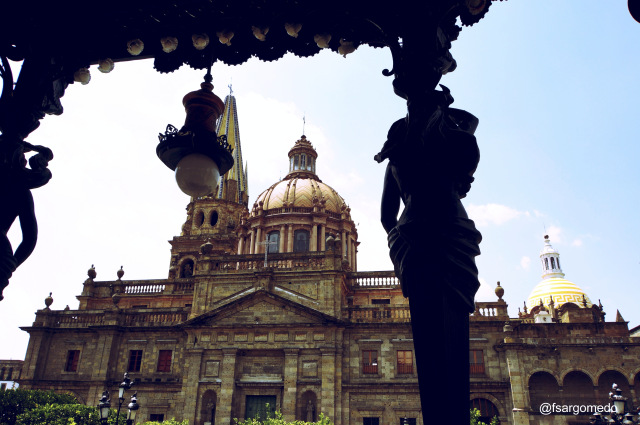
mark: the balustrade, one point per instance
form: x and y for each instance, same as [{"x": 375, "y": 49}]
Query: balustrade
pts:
[
  {"x": 390, "y": 314},
  {"x": 385, "y": 279}
]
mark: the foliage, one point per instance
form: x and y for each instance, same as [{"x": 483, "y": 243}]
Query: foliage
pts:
[
  {"x": 276, "y": 419},
  {"x": 67, "y": 414},
  {"x": 17, "y": 401},
  {"x": 475, "y": 418}
]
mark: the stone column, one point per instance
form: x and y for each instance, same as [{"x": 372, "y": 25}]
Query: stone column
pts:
[
  {"x": 314, "y": 238},
  {"x": 344, "y": 243},
  {"x": 519, "y": 396},
  {"x": 253, "y": 241},
  {"x": 258, "y": 240},
  {"x": 290, "y": 239},
  {"x": 327, "y": 402},
  {"x": 241, "y": 245},
  {"x": 281, "y": 245},
  {"x": 348, "y": 247},
  {"x": 323, "y": 237},
  {"x": 190, "y": 384},
  {"x": 290, "y": 384},
  {"x": 227, "y": 386}
]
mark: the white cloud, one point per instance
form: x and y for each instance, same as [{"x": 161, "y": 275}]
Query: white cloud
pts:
[
  {"x": 485, "y": 292},
  {"x": 555, "y": 234},
  {"x": 577, "y": 242},
  {"x": 497, "y": 214},
  {"x": 525, "y": 262}
]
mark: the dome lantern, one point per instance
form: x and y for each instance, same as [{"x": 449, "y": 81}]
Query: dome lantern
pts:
[
  {"x": 550, "y": 260},
  {"x": 302, "y": 159}
]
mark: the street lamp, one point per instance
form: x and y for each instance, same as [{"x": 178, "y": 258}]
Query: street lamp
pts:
[
  {"x": 618, "y": 416},
  {"x": 197, "y": 155},
  {"x": 104, "y": 407},
  {"x": 124, "y": 385},
  {"x": 133, "y": 409}
]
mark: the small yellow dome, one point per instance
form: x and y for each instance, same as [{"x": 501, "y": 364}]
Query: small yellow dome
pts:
[
  {"x": 301, "y": 193},
  {"x": 562, "y": 291}
]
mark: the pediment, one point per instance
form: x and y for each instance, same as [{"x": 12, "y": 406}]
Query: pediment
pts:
[{"x": 262, "y": 308}]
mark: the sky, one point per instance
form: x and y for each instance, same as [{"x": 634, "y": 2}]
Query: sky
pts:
[{"x": 555, "y": 87}]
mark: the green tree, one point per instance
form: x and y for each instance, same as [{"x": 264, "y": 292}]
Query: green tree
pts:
[
  {"x": 67, "y": 414},
  {"x": 475, "y": 418},
  {"x": 16, "y": 401},
  {"x": 276, "y": 419}
]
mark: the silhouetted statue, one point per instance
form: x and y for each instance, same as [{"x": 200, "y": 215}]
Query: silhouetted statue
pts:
[
  {"x": 17, "y": 202},
  {"x": 432, "y": 157}
]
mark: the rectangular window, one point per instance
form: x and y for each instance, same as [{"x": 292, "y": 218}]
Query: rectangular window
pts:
[
  {"x": 381, "y": 301},
  {"x": 72, "y": 361},
  {"x": 164, "y": 361},
  {"x": 156, "y": 417},
  {"x": 405, "y": 361},
  {"x": 407, "y": 421},
  {"x": 476, "y": 362},
  {"x": 370, "y": 361},
  {"x": 370, "y": 421},
  {"x": 135, "y": 360}
]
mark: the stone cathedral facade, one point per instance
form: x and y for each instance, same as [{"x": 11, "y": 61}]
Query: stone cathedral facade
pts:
[{"x": 264, "y": 308}]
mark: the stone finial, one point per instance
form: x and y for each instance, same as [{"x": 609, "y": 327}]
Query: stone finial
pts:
[
  {"x": 116, "y": 299},
  {"x": 525, "y": 307},
  {"x": 67, "y": 308},
  {"x": 120, "y": 273},
  {"x": 499, "y": 291},
  {"x": 92, "y": 272},
  {"x": 619, "y": 317},
  {"x": 206, "y": 247},
  {"x": 48, "y": 301},
  {"x": 584, "y": 301}
]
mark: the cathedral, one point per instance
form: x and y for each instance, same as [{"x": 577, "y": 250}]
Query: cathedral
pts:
[{"x": 264, "y": 309}]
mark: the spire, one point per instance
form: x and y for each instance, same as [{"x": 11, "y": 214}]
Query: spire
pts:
[
  {"x": 550, "y": 260},
  {"x": 233, "y": 185}
]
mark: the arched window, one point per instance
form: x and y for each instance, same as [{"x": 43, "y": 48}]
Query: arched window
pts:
[
  {"x": 213, "y": 219},
  {"x": 558, "y": 262},
  {"x": 199, "y": 218},
  {"x": 295, "y": 162},
  {"x": 487, "y": 409},
  {"x": 546, "y": 264},
  {"x": 291, "y": 164},
  {"x": 274, "y": 241},
  {"x": 543, "y": 388},
  {"x": 577, "y": 388},
  {"x": 606, "y": 381},
  {"x": 301, "y": 241},
  {"x": 186, "y": 270},
  {"x": 303, "y": 162},
  {"x": 553, "y": 263}
]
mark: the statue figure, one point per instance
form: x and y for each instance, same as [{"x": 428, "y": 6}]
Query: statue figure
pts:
[
  {"x": 16, "y": 197},
  {"x": 310, "y": 411},
  {"x": 432, "y": 156}
]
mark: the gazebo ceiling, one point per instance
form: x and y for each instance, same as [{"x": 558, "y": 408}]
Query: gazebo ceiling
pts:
[{"x": 82, "y": 33}]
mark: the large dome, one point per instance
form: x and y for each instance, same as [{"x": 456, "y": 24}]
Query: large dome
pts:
[
  {"x": 301, "y": 192},
  {"x": 301, "y": 188},
  {"x": 562, "y": 291}
]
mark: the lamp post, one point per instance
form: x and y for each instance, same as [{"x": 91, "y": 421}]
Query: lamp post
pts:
[
  {"x": 618, "y": 416},
  {"x": 133, "y": 409},
  {"x": 124, "y": 385},
  {"x": 104, "y": 406},
  {"x": 197, "y": 155}
]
